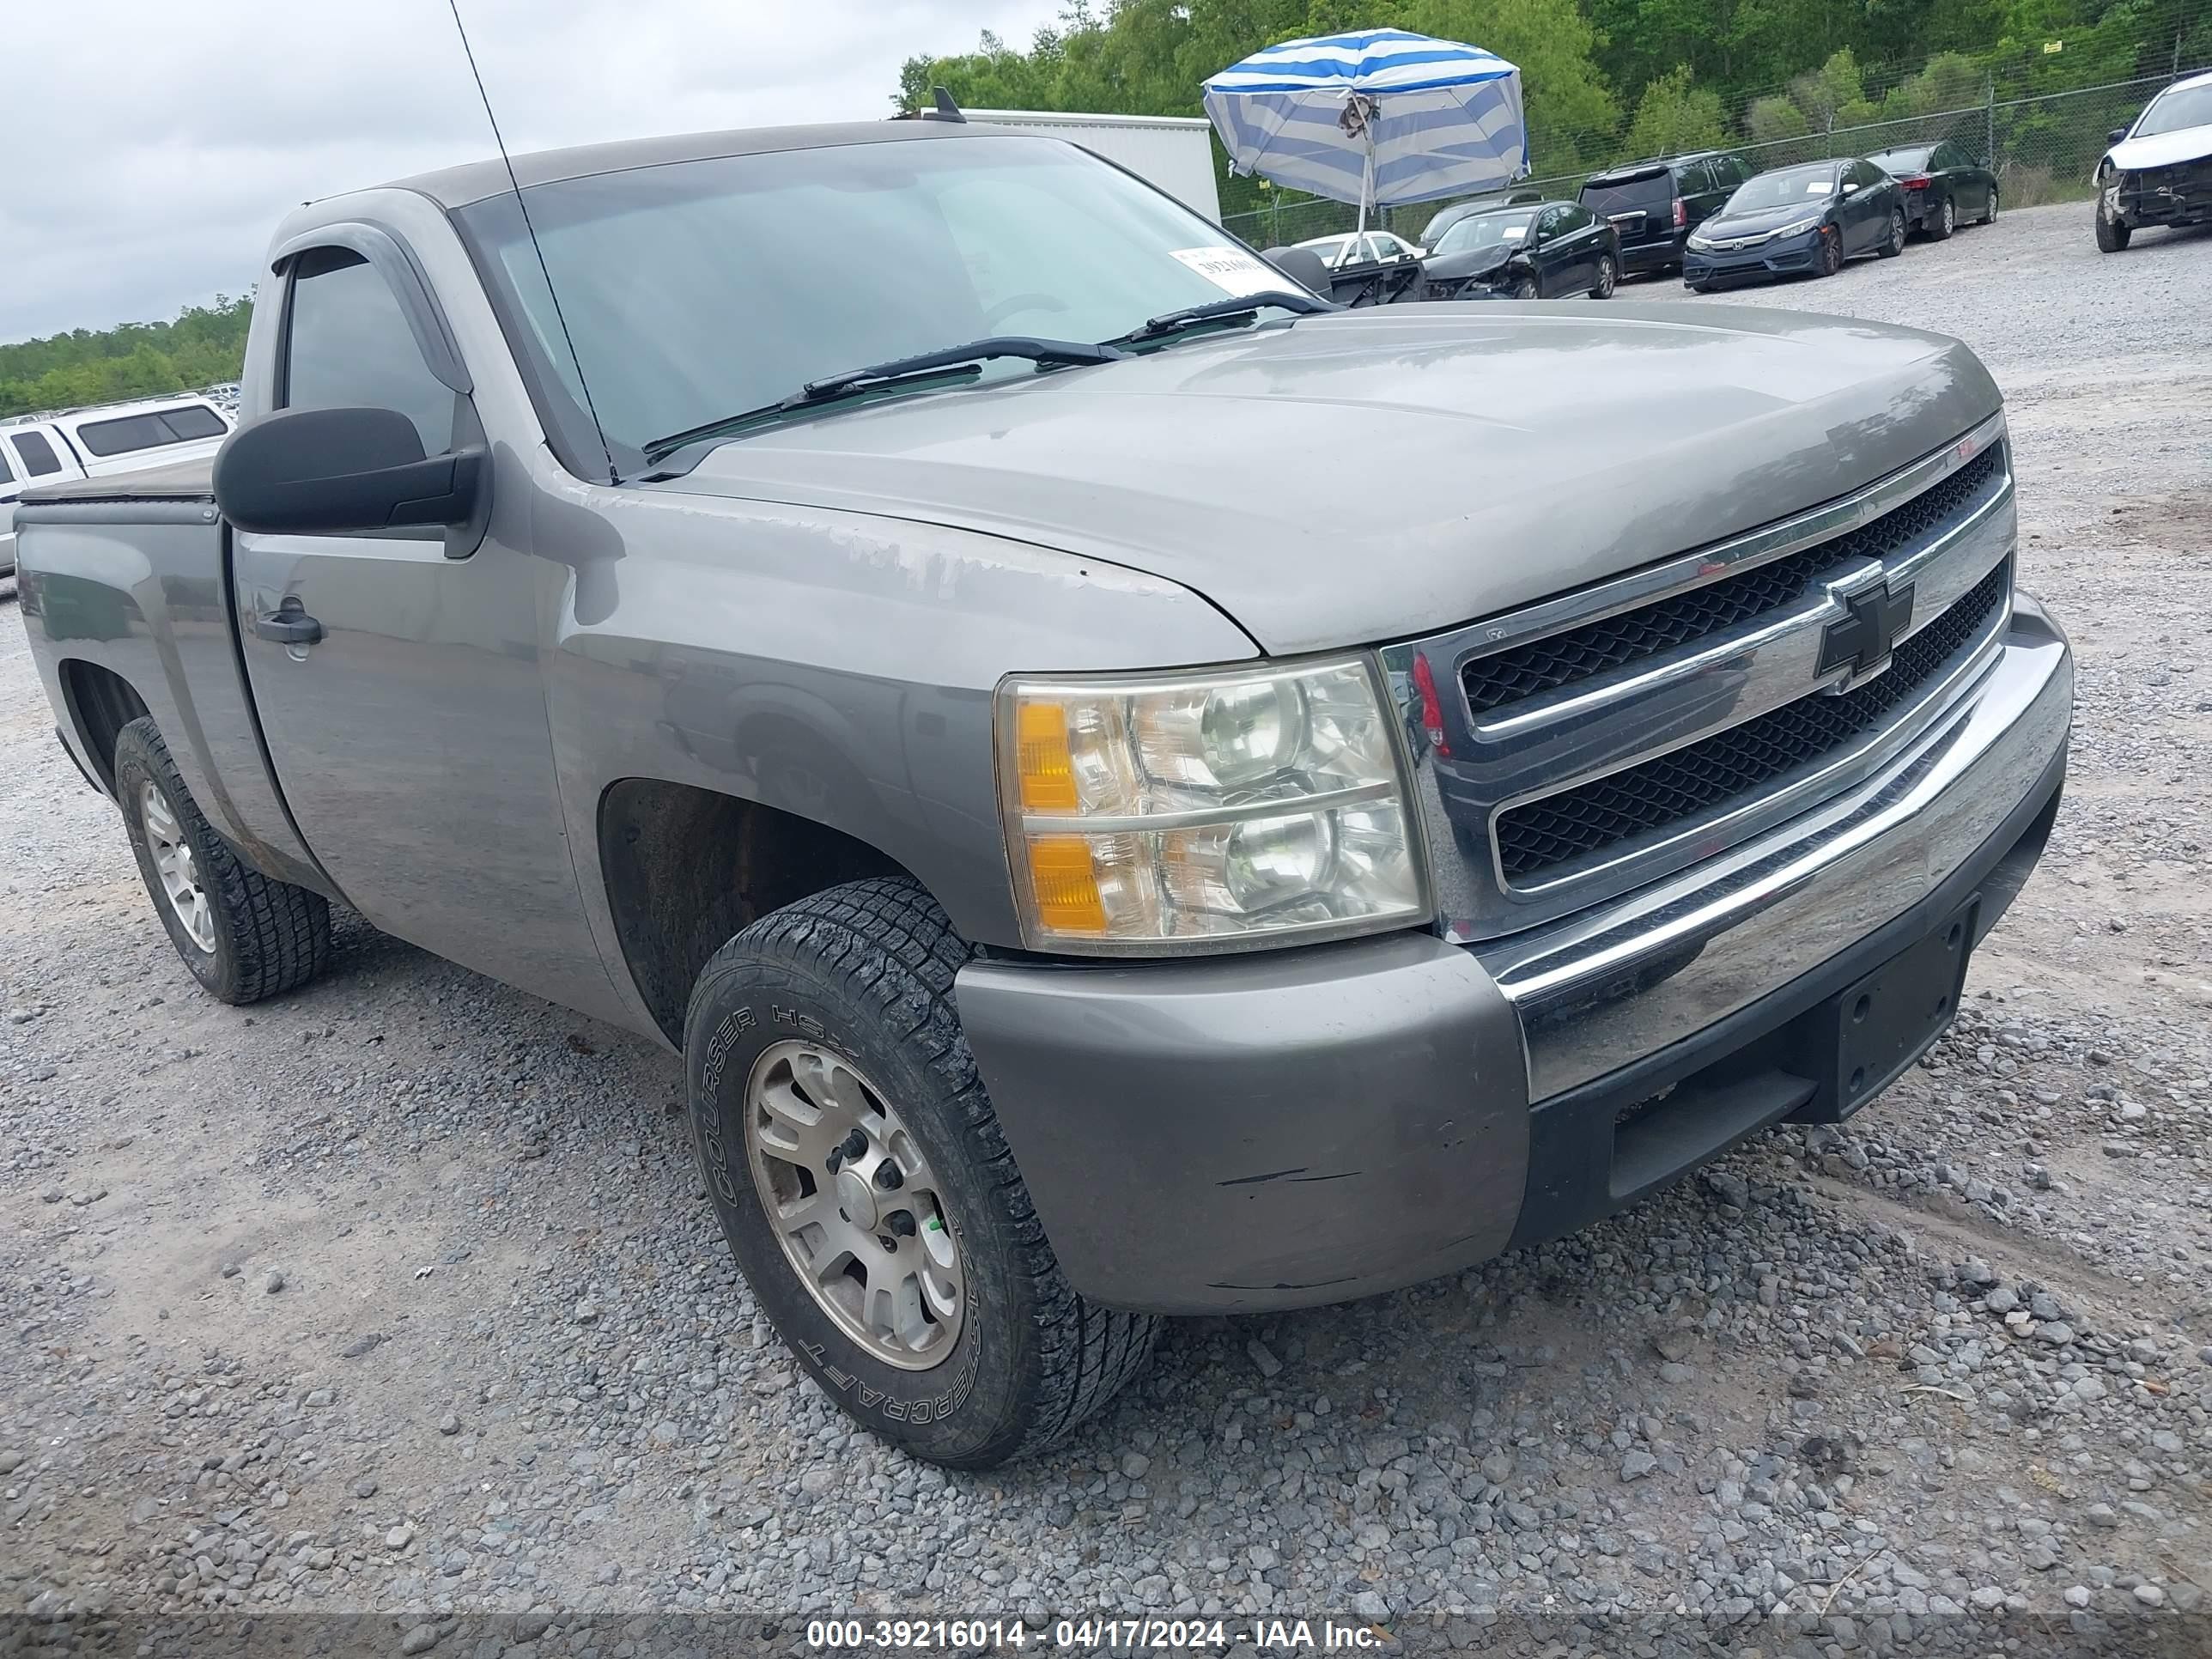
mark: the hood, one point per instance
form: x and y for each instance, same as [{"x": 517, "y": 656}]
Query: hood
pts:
[
  {"x": 1758, "y": 221},
  {"x": 1363, "y": 476},
  {"x": 2166, "y": 149},
  {"x": 1474, "y": 262}
]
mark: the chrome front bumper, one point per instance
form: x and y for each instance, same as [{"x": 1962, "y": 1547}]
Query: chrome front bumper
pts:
[{"x": 1614, "y": 985}]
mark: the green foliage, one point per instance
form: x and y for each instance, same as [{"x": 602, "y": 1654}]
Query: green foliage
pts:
[
  {"x": 1673, "y": 116},
  {"x": 203, "y": 345},
  {"x": 1771, "y": 119}
]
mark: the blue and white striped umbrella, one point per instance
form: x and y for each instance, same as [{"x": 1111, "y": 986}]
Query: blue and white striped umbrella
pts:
[{"x": 1373, "y": 116}]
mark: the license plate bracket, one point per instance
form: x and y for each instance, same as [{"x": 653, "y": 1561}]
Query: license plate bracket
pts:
[{"x": 1871, "y": 1031}]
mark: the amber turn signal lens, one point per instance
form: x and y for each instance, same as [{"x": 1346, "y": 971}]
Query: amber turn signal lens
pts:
[
  {"x": 1041, "y": 750},
  {"x": 1066, "y": 886}
]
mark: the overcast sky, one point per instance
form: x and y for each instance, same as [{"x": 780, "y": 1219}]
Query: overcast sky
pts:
[{"x": 154, "y": 144}]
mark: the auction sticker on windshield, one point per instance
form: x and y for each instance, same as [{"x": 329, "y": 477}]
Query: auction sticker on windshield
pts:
[{"x": 1232, "y": 270}]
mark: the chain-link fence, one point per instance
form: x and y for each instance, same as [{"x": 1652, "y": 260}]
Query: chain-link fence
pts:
[{"x": 2042, "y": 148}]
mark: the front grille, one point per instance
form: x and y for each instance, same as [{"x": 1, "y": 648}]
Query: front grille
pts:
[
  {"x": 1545, "y": 665},
  {"x": 1693, "y": 780}
]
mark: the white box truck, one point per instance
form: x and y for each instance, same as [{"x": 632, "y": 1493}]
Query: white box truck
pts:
[{"x": 1172, "y": 152}]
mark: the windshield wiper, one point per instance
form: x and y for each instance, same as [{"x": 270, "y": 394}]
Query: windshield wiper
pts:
[
  {"x": 1243, "y": 305},
  {"x": 961, "y": 363}
]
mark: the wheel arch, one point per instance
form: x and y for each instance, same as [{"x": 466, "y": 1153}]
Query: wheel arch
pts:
[
  {"x": 686, "y": 867},
  {"x": 99, "y": 703}
]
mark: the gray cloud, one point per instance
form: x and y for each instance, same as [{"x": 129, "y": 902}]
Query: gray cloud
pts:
[{"x": 154, "y": 145}]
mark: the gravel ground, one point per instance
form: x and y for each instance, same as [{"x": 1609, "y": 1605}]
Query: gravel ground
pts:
[{"x": 400, "y": 1297}]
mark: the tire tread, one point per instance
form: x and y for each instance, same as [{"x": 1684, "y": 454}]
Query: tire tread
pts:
[
  {"x": 281, "y": 934},
  {"x": 888, "y": 938}
]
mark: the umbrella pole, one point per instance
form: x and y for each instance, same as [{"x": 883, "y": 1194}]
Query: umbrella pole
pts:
[{"x": 1367, "y": 175}]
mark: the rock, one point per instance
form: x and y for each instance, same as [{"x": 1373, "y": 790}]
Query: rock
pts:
[
  {"x": 274, "y": 1283},
  {"x": 1370, "y": 1606},
  {"x": 449, "y": 1424},
  {"x": 1637, "y": 1465},
  {"x": 2056, "y": 1332},
  {"x": 421, "y": 1639},
  {"x": 51, "y": 1195},
  {"x": 1263, "y": 1357},
  {"x": 1135, "y": 1464},
  {"x": 1262, "y": 1559},
  {"x": 2101, "y": 1514},
  {"x": 1988, "y": 1598},
  {"x": 2077, "y": 1596},
  {"x": 230, "y": 1270},
  {"x": 90, "y": 1196},
  {"x": 318, "y": 1398},
  {"x": 2001, "y": 1300},
  {"x": 364, "y": 1488},
  {"x": 586, "y": 1312},
  {"x": 2150, "y": 1595},
  {"x": 367, "y": 1343},
  {"x": 22, "y": 1016},
  {"x": 1497, "y": 1468},
  {"x": 10, "y": 1462},
  {"x": 1674, "y": 1371}
]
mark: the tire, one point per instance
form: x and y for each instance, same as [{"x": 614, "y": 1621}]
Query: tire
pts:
[
  {"x": 2112, "y": 234},
  {"x": 853, "y": 987},
  {"x": 1608, "y": 278},
  {"x": 1990, "y": 214},
  {"x": 1526, "y": 289},
  {"x": 248, "y": 936},
  {"x": 1831, "y": 252},
  {"x": 1895, "y": 245},
  {"x": 1945, "y": 219}
]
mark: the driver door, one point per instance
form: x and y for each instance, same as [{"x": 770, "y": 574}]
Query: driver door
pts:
[{"x": 407, "y": 727}]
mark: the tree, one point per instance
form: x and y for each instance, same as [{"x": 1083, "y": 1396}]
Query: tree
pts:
[
  {"x": 203, "y": 345},
  {"x": 1673, "y": 116}
]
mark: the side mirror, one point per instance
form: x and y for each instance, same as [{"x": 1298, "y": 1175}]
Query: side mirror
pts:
[
  {"x": 1850, "y": 189},
  {"x": 1302, "y": 265},
  {"x": 2116, "y": 135},
  {"x": 319, "y": 471}
]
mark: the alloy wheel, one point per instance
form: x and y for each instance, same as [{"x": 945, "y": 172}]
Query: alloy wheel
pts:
[
  {"x": 1607, "y": 278},
  {"x": 179, "y": 870},
  {"x": 855, "y": 1203}
]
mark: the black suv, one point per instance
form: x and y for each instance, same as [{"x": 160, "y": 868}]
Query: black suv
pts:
[{"x": 1654, "y": 205}]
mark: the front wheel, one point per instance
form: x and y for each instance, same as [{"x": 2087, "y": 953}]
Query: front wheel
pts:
[
  {"x": 1989, "y": 217},
  {"x": 2112, "y": 234},
  {"x": 243, "y": 935},
  {"x": 1525, "y": 289},
  {"x": 863, "y": 1184},
  {"x": 1608, "y": 277},
  {"x": 1831, "y": 252},
  {"x": 1894, "y": 244}
]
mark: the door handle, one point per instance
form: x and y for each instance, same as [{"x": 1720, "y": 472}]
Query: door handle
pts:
[{"x": 288, "y": 624}]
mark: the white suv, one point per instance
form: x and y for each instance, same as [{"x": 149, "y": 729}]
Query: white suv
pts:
[{"x": 94, "y": 443}]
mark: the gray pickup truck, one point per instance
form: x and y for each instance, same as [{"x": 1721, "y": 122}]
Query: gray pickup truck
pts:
[{"x": 1133, "y": 791}]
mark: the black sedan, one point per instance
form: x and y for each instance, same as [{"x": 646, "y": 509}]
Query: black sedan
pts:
[
  {"x": 1944, "y": 186},
  {"x": 1524, "y": 251},
  {"x": 1796, "y": 221}
]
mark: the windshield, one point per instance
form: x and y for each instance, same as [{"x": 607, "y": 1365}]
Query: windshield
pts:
[
  {"x": 1484, "y": 230},
  {"x": 2176, "y": 110},
  {"x": 1811, "y": 186},
  {"x": 698, "y": 290}
]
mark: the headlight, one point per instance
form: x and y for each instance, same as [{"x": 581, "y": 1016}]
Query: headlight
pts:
[
  {"x": 1700, "y": 241},
  {"x": 1801, "y": 227},
  {"x": 1204, "y": 811}
]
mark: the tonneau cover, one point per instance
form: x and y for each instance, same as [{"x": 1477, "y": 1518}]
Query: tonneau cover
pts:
[{"x": 180, "y": 481}]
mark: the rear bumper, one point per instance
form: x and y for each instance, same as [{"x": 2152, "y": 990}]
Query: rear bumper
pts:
[
  {"x": 1663, "y": 254},
  {"x": 1306, "y": 1127}
]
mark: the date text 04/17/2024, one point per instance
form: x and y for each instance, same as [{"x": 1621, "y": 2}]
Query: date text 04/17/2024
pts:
[{"x": 1084, "y": 1635}]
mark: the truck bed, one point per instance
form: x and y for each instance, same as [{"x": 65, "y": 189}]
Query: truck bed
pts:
[{"x": 181, "y": 481}]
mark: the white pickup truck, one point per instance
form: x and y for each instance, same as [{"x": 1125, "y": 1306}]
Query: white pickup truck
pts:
[{"x": 98, "y": 443}]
